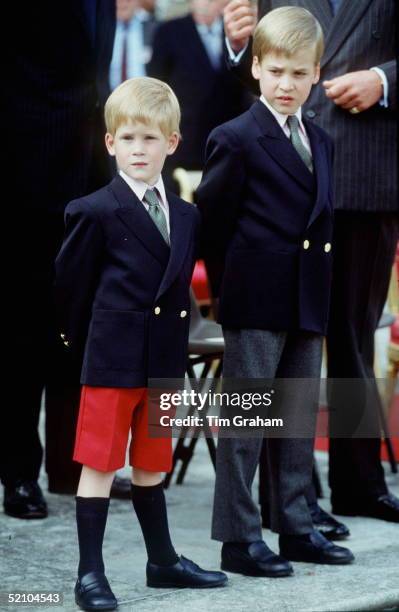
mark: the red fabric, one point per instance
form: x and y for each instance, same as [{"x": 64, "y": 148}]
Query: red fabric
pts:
[
  {"x": 200, "y": 282},
  {"x": 106, "y": 415}
]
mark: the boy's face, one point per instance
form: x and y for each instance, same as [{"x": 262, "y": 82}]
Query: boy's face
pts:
[
  {"x": 284, "y": 81},
  {"x": 140, "y": 150}
]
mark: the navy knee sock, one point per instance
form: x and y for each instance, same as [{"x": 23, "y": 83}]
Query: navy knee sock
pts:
[
  {"x": 150, "y": 506},
  {"x": 91, "y": 517}
]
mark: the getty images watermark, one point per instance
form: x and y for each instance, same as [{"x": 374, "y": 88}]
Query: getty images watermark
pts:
[
  {"x": 234, "y": 408},
  {"x": 283, "y": 408},
  {"x": 200, "y": 403}
]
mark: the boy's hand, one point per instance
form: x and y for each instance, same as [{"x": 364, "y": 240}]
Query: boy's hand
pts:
[
  {"x": 240, "y": 18},
  {"x": 361, "y": 89}
]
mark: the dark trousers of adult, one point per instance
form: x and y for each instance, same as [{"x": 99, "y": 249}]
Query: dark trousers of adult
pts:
[
  {"x": 364, "y": 249},
  {"x": 251, "y": 354},
  {"x": 365, "y": 245},
  {"x": 38, "y": 360}
]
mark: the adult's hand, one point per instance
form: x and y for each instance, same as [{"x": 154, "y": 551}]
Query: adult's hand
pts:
[
  {"x": 240, "y": 18},
  {"x": 361, "y": 89}
]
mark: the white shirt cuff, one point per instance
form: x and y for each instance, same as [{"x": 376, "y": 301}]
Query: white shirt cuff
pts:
[
  {"x": 236, "y": 57},
  {"x": 384, "y": 98}
]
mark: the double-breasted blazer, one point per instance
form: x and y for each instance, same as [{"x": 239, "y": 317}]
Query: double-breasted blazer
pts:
[
  {"x": 267, "y": 222},
  {"x": 122, "y": 293}
]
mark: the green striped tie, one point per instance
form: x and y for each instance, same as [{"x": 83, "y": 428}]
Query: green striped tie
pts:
[
  {"x": 156, "y": 213},
  {"x": 293, "y": 124}
]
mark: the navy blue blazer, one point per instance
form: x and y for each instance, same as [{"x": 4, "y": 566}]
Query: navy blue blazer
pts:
[
  {"x": 122, "y": 294},
  {"x": 267, "y": 224}
]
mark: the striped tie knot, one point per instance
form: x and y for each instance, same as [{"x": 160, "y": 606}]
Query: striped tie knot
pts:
[
  {"x": 156, "y": 213},
  {"x": 293, "y": 124}
]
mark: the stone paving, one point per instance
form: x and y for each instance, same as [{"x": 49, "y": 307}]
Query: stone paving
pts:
[{"x": 42, "y": 556}]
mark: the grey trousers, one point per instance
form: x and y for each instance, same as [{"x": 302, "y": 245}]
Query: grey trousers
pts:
[{"x": 251, "y": 353}]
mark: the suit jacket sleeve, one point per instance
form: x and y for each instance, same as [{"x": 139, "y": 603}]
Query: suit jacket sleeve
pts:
[
  {"x": 390, "y": 70},
  {"x": 77, "y": 269},
  {"x": 218, "y": 198},
  {"x": 242, "y": 69},
  {"x": 197, "y": 235}
]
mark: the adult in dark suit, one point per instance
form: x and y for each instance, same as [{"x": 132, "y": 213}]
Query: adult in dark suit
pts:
[
  {"x": 57, "y": 83},
  {"x": 355, "y": 104},
  {"x": 188, "y": 55}
]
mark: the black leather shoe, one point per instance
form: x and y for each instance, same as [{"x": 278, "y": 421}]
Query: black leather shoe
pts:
[
  {"x": 121, "y": 488},
  {"x": 25, "y": 501},
  {"x": 385, "y": 508},
  {"x": 328, "y": 526},
  {"x": 254, "y": 560},
  {"x": 92, "y": 592},
  {"x": 183, "y": 574},
  {"x": 314, "y": 548}
]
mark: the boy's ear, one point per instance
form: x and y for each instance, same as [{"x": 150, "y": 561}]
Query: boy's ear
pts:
[
  {"x": 109, "y": 143},
  {"x": 316, "y": 74},
  {"x": 173, "y": 142},
  {"x": 256, "y": 68}
]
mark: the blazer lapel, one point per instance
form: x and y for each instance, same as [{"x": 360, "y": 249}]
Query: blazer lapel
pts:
[
  {"x": 347, "y": 17},
  {"x": 278, "y": 146},
  {"x": 133, "y": 214},
  {"x": 149, "y": 26},
  {"x": 321, "y": 170},
  {"x": 180, "y": 237}
]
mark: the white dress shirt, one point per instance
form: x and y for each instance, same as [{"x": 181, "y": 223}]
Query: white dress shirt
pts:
[
  {"x": 139, "y": 188},
  {"x": 282, "y": 121}
]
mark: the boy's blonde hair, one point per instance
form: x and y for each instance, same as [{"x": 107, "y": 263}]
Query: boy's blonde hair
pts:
[
  {"x": 145, "y": 100},
  {"x": 286, "y": 31}
]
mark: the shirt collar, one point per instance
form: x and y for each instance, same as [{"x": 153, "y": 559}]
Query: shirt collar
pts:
[
  {"x": 282, "y": 119},
  {"x": 139, "y": 187},
  {"x": 139, "y": 16},
  {"x": 143, "y": 15},
  {"x": 216, "y": 27}
]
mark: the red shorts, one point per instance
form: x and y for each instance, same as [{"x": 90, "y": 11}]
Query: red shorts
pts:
[{"x": 106, "y": 415}]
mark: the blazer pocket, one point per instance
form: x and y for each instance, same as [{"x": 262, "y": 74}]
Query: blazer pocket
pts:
[{"x": 116, "y": 340}]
